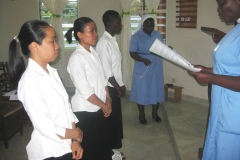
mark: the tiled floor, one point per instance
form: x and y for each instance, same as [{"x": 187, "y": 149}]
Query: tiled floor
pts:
[
  {"x": 188, "y": 123},
  {"x": 179, "y": 135}
]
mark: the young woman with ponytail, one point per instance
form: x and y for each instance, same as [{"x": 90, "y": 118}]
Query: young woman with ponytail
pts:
[
  {"x": 91, "y": 102},
  {"x": 43, "y": 95}
]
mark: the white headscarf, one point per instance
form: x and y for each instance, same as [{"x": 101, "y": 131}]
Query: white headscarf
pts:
[
  {"x": 238, "y": 21},
  {"x": 144, "y": 18}
]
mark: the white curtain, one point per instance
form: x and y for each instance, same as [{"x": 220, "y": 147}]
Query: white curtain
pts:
[
  {"x": 56, "y": 7},
  {"x": 152, "y": 6},
  {"x": 126, "y": 34}
]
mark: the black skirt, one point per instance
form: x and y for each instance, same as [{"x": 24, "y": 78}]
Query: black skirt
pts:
[
  {"x": 95, "y": 142},
  {"x": 114, "y": 121}
]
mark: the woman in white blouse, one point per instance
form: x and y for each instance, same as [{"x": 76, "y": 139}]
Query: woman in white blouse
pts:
[
  {"x": 43, "y": 95},
  {"x": 91, "y": 102}
]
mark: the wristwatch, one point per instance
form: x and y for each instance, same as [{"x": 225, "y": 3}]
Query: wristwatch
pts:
[{"x": 109, "y": 99}]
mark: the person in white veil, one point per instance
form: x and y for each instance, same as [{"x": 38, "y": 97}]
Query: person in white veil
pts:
[
  {"x": 144, "y": 18},
  {"x": 147, "y": 82}
]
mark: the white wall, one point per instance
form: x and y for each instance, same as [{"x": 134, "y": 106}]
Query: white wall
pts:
[
  {"x": 96, "y": 8},
  {"x": 193, "y": 44},
  {"x": 12, "y": 15}
]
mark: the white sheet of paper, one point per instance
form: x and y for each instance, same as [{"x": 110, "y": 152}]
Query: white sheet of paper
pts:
[
  {"x": 164, "y": 51},
  {"x": 12, "y": 95},
  {"x": 9, "y": 93}
]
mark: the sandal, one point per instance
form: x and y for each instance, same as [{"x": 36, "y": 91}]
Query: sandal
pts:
[{"x": 117, "y": 155}]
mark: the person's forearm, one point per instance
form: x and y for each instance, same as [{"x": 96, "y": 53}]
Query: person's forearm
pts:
[
  {"x": 114, "y": 83},
  {"x": 108, "y": 106},
  {"x": 229, "y": 82},
  {"x": 136, "y": 57},
  {"x": 210, "y": 70},
  {"x": 71, "y": 133},
  {"x": 73, "y": 125},
  {"x": 107, "y": 92},
  {"x": 96, "y": 101}
]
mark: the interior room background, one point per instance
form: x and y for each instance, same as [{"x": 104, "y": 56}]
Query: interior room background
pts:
[{"x": 193, "y": 44}]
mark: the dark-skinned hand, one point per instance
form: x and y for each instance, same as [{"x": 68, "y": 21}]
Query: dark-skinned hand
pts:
[
  {"x": 201, "y": 77},
  {"x": 147, "y": 62}
]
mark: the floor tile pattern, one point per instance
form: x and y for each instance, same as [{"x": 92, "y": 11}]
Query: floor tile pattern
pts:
[{"x": 177, "y": 137}]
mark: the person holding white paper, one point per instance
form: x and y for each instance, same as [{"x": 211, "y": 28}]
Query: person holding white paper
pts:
[
  {"x": 147, "y": 82},
  {"x": 166, "y": 52},
  {"x": 223, "y": 134}
]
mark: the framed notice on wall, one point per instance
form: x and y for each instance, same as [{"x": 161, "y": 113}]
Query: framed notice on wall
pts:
[{"x": 186, "y": 13}]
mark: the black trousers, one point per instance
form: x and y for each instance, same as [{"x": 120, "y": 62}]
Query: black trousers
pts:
[{"x": 114, "y": 121}]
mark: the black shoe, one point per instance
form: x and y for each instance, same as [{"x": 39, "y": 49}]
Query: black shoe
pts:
[
  {"x": 144, "y": 121},
  {"x": 157, "y": 119}
]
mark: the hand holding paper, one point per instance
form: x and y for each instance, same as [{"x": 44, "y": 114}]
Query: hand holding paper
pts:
[{"x": 164, "y": 51}]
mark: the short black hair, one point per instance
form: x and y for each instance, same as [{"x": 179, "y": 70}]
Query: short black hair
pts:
[{"x": 109, "y": 16}]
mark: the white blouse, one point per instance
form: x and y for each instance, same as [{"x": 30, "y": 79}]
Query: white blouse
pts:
[
  {"x": 110, "y": 56},
  {"x": 87, "y": 74},
  {"x": 46, "y": 102}
]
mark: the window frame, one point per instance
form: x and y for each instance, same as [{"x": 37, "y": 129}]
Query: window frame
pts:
[
  {"x": 67, "y": 46},
  {"x": 162, "y": 9}
]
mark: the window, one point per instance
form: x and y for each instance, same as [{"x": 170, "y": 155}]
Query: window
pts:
[
  {"x": 139, "y": 8},
  {"x": 69, "y": 14}
]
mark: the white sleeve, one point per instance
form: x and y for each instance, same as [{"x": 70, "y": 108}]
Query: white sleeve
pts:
[
  {"x": 34, "y": 103},
  {"x": 77, "y": 71},
  {"x": 104, "y": 51},
  {"x": 72, "y": 116}
]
